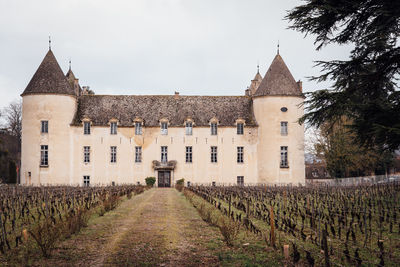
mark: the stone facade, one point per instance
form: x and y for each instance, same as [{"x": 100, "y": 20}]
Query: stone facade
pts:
[{"x": 57, "y": 150}]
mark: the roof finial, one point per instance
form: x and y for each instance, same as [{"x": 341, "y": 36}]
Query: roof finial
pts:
[
  {"x": 258, "y": 66},
  {"x": 49, "y": 42},
  {"x": 69, "y": 63},
  {"x": 278, "y": 47}
]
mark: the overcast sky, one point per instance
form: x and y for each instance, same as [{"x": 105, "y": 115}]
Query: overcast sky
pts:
[{"x": 196, "y": 47}]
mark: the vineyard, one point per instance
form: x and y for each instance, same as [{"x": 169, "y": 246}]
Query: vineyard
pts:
[
  {"x": 316, "y": 226},
  {"x": 36, "y": 218}
]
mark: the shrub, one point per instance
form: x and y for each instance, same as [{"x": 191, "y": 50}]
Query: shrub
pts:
[
  {"x": 150, "y": 181},
  {"x": 229, "y": 229},
  {"x": 111, "y": 202},
  {"x": 180, "y": 184},
  {"x": 45, "y": 235},
  {"x": 75, "y": 221}
]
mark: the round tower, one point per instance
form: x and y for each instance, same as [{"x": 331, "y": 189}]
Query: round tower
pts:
[
  {"x": 49, "y": 104},
  {"x": 277, "y": 107}
]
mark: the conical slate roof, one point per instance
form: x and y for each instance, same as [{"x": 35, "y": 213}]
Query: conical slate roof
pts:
[
  {"x": 49, "y": 79},
  {"x": 278, "y": 80},
  {"x": 255, "y": 83}
]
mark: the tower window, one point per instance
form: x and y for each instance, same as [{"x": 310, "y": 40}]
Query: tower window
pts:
[
  {"x": 164, "y": 128},
  {"x": 86, "y": 127},
  {"x": 284, "y": 157},
  {"x": 86, "y": 180},
  {"x": 214, "y": 128},
  {"x": 240, "y": 180},
  {"x": 189, "y": 154},
  {"x": 164, "y": 154},
  {"x": 240, "y": 154},
  {"x": 138, "y": 128},
  {"x": 284, "y": 128},
  {"x": 189, "y": 128},
  {"x": 113, "y": 128},
  {"x": 138, "y": 154},
  {"x": 214, "y": 154},
  {"x": 86, "y": 154},
  {"x": 240, "y": 128},
  {"x": 44, "y": 127},
  {"x": 113, "y": 151},
  {"x": 44, "y": 155}
]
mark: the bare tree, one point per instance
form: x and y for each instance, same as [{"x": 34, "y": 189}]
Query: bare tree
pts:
[{"x": 13, "y": 118}]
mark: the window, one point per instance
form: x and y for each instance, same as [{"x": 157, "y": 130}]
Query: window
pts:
[
  {"x": 44, "y": 155},
  {"x": 189, "y": 128},
  {"x": 284, "y": 128},
  {"x": 138, "y": 154},
  {"x": 240, "y": 154},
  {"x": 213, "y": 154},
  {"x": 113, "y": 128},
  {"x": 164, "y": 128},
  {"x": 138, "y": 128},
  {"x": 45, "y": 127},
  {"x": 284, "y": 157},
  {"x": 240, "y": 180},
  {"x": 214, "y": 128},
  {"x": 86, "y": 127},
  {"x": 86, "y": 154},
  {"x": 86, "y": 180},
  {"x": 164, "y": 154},
  {"x": 189, "y": 155},
  {"x": 240, "y": 128},
  {"x": 113, "y": 154}
]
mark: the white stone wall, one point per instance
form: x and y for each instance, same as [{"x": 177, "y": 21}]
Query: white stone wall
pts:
[{"x": 267, "y": 110}]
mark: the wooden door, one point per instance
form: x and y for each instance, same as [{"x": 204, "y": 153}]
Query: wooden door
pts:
[{"x": 164, "y": 179}]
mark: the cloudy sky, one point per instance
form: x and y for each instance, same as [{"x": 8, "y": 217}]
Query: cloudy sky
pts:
[{"x": 196, "y": 47}]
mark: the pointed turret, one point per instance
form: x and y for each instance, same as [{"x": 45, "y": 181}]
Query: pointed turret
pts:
[
  {"x": 278, "y": 81},
  {"x": 49, "y": 79},
  {"x": 73, "y": 81},
  {"x": 254, "y": 83}
]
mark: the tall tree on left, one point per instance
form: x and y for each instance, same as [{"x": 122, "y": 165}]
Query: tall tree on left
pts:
[{"x": 13, "y": 117}]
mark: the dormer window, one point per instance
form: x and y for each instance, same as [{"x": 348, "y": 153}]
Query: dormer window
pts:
[
  {"x": 86, "y": 127},
  {"x": 138, "y": 128},
  {"x": 164, "y": 128},
  {"x": 214, "y": 127},
  {"x": 189, "y": 127},
  {"x": 113, "y": 127},
  {"x": 240, "y": 128}
]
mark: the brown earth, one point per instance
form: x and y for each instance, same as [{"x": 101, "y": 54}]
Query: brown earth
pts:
[{"x": 156, "y": 228}]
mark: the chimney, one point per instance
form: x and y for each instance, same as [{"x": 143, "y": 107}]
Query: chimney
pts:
[
  {"x": 85, "y": 90},
  {"x": 176, "y": 96},
  {"x": 300, "y": 84}
]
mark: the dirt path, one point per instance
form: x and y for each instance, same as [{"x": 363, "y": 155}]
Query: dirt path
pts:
[{"x": 157, "y": 228}]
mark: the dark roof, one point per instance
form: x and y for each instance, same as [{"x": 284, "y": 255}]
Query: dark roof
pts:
[
  {"x": 49, "y": 79},
  {"x": 278, "y": 80},
  {"x": 151, "y": 108}
]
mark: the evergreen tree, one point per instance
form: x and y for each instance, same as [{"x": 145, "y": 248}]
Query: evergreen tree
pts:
[{"x": 365, "y": 87}]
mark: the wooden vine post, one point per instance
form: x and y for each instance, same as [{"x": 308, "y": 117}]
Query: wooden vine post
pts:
[
  {"x": 272, "y": 222},
  {"x": 325, "y": 248}
]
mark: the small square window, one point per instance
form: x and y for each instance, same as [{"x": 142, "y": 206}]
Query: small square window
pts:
[
  {"x": 44, "y": 127},
  {"x": 86, "y": 180},
  {"x": 240, "y": 180}
]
